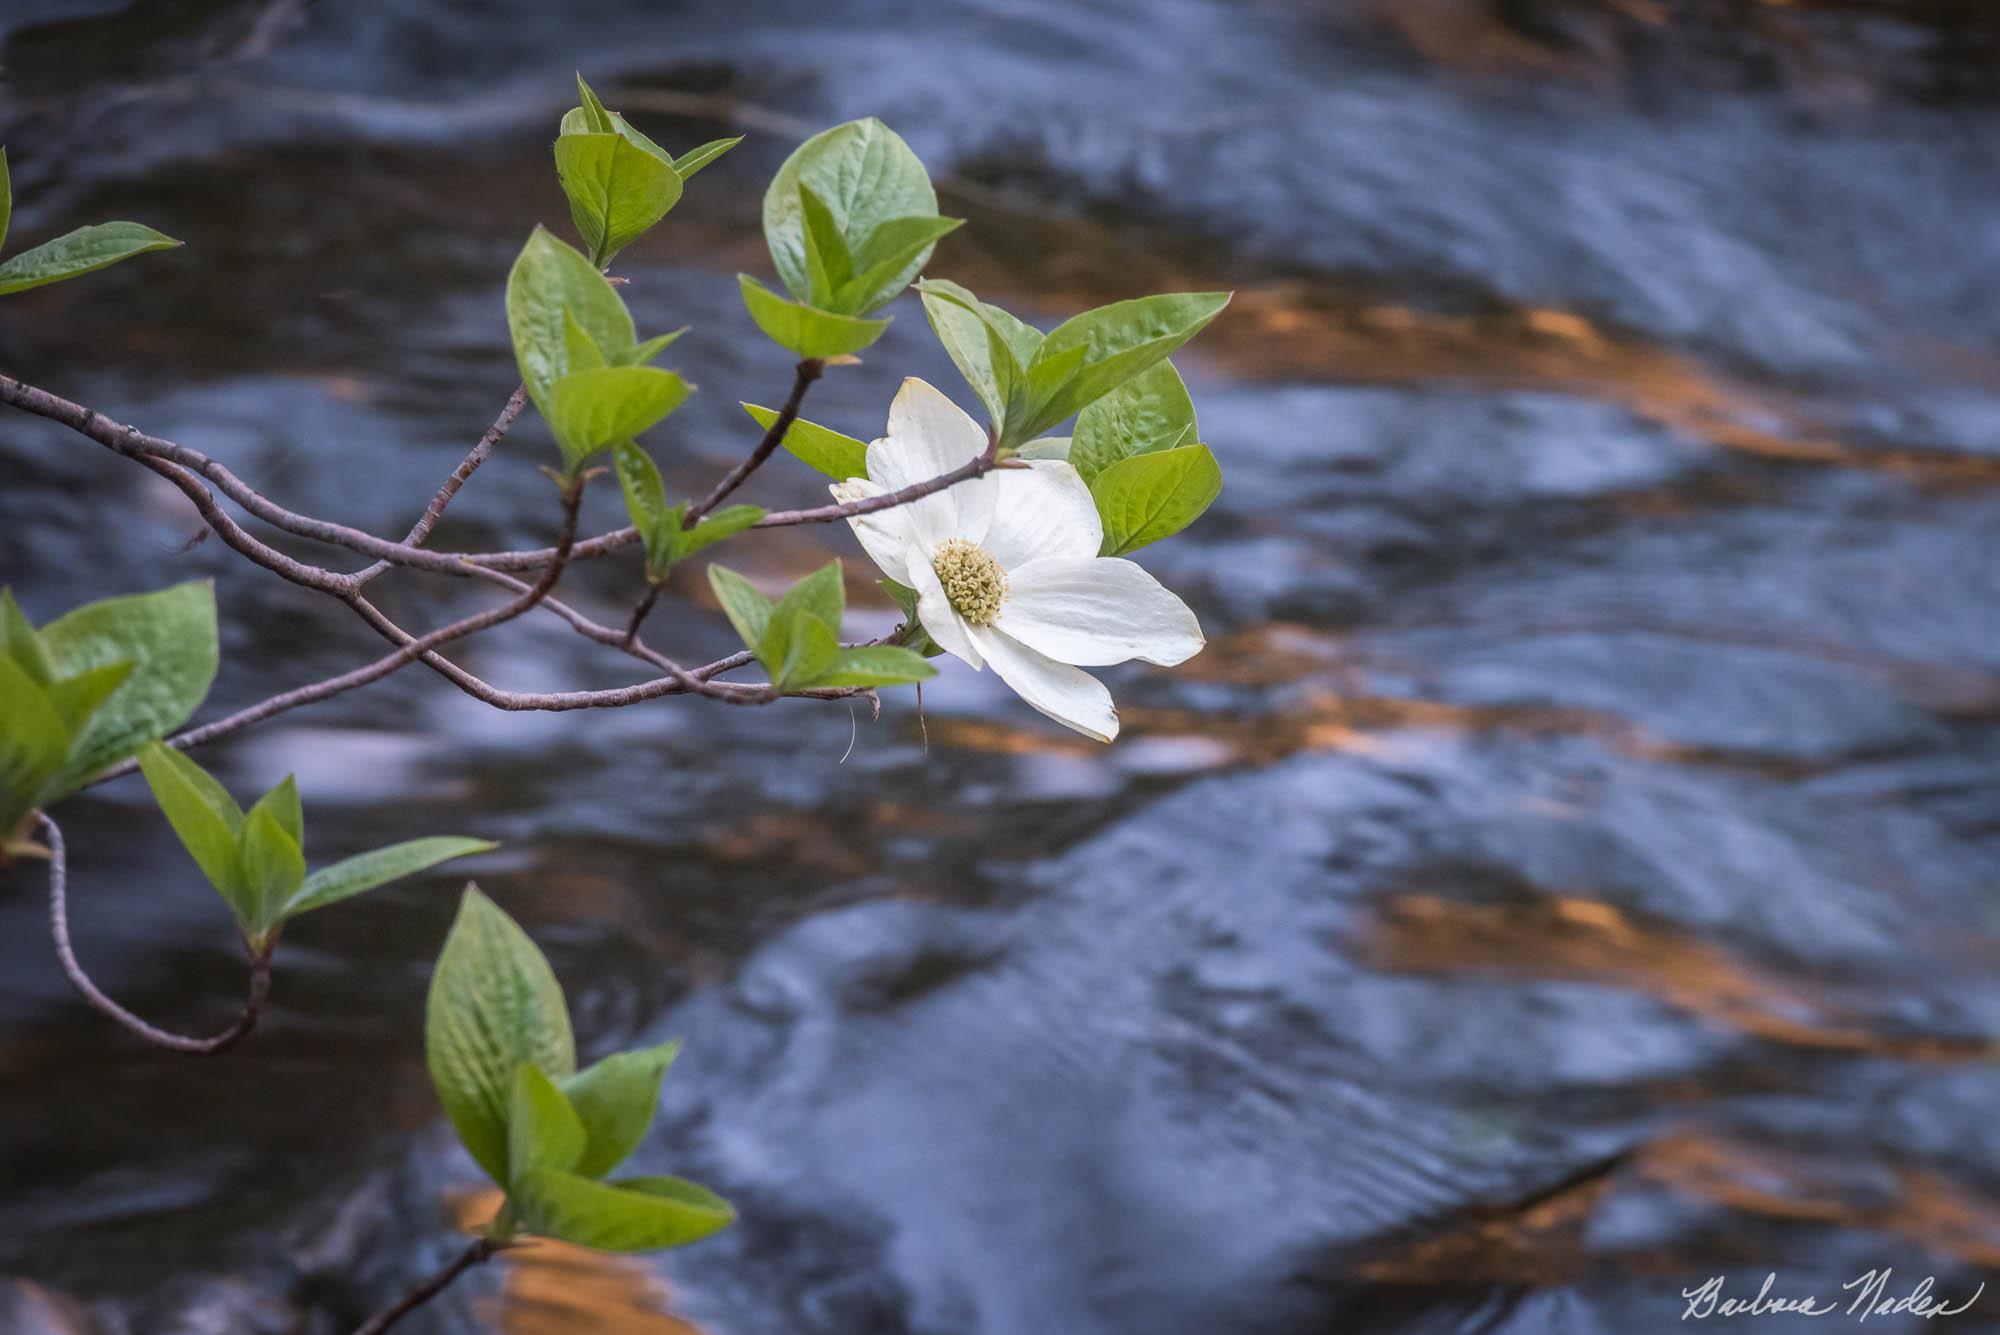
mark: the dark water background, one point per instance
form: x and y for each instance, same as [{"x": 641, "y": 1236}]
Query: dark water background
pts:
[{"x": 1567, "y": 875}]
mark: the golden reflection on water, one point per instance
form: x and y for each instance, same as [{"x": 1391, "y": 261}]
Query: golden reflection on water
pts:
[
  {"x": 553, "y": 1288},
  {"x": 1584, "y": 940}
]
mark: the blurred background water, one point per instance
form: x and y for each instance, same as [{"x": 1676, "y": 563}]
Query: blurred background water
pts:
[{"x": 1567, "y": 874}]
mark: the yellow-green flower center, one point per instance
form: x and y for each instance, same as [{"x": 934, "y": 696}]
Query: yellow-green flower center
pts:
[{"x": 974, "y": 583}]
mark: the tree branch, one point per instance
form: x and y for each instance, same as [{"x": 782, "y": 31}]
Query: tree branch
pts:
[
  {"x": 459, "y": 476},
  {"x": 476, "y": 1252},
  {"x": 807, "y": 371},
  {"x": 253, "y": 1005}
]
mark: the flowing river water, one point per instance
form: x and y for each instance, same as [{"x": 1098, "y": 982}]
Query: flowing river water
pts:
[{"x": 1567, "y": 875}]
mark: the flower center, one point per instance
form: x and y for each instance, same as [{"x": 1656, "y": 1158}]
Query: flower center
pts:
[{"x": 974, "y": 583}]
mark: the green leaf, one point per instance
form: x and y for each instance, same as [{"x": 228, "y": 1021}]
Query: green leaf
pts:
[
  {"x": 272, "y": 867},
  {"x": 788, "y": 642},
  {"x": 365, "y": 871},
  {"x": 207, "y": 820},
  {"x": 80, "y": 252},
  {"x": 549, "y": 278},
  {"x": 33, "y": 743},
  {"x": 1150, "y": 412},
  {"x": 1120, "y": 341},
  {"x": 639, "y": 1214},
  {"x": 283, "y": 801},
  {"x": 713, "y": 528},
  {"x": 821, "y": 593},
  {"x": 806, "y": 330},
  {"x": 19, "y": 642},
  {"x": 594, "y": 115},
  {"x": 986, "y": 344},
  {"x": 866, "y": 175},
  {"x": 617, "y": 1099},
  {"x": 543, "y": 1130},
  {"x": 494, "y": 1004},
  {"x": 828, "y": 263},
  {"x": 617, "y": 191},
  {"x": 6, "y": 197},
  {"x": 809, "y": 649},
  {"x": 1150, "y": 496},
  {"x": 77, "y": 698},
  {"x": 692, "y": 161},
  {"x": 580, "y": 348},
  {"x": 643, "y": 353},
  {"x": 839, "y": 457},
  {"x": 646, "y": 505},
  {"x": 591, "y": 411},
  {"x": 168, "y": 636},
  {"x": 885, "y": 254},
  {"x": 748, "y": 610},
  {"x": 875, "y": 665}
]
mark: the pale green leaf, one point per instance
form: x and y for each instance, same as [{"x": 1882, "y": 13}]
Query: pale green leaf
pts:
[
  {"x": 692, "y": 161},
  {"x": 1151, "y": 411},
  {"x": 747, "y": 609},
  {"x": 591, "y": 411},
  {"x": 713, "y": 528},
  {"x": 80, "y": 252},
  {"x": 874, "y": 665},
  {"x": 6, "y": 203},
  {"x": 494, "y": 1004},
  {"x": 646, "y": 504},
  {"x": 543, "y": 1130},
  {"x": 19, "y": 641},
  {"x": 271, "y": 866},
  {"x": 839, "y": 457},
  {"x": 806, "y": 330},
  {"x": 77, "y": 698},
  {"x": 595, "y": 117},
  {"x": 365, "y": 871},
  {"x": 637, "y": 1215},
  {"x": 886, "y": 253},
  {"x": 643, "y": 353},
  {"x": 810, "y": 648},
  {"x": 205, "y": 818},
  {"x": 33, "y": 743},
  {"x": 168, "y": 636},
  {"x": 1150, "y": 496},
  {"x": 617, "y": 1098}
]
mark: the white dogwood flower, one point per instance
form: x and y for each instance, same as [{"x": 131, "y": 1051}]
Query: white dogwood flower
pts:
[{"x": 1006, "y": 567}]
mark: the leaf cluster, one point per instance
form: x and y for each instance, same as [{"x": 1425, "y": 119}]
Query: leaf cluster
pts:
[
  {"x": 797, "y": 638},
  {"x": 850, "y": 219},
  {"x": 256, "y": 860},
  {"x": 580, "y": 354},
  {"x": 619, "y": 183},
  {"x": 498, "y": 1042},
  {"x": 88, "y": 689}
]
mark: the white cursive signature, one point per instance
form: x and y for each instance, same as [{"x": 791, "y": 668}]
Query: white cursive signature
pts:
[{"x": 1871, "y": 1298}]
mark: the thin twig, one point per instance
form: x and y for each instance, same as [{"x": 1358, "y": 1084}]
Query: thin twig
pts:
[
  {"x": 253, "y": 1004},
  {"x": 476, "y": 1252},
  {"x": 641, "y": 611},
  {"x": 467, "y": 466},
  {"x": 804, "y": 374}
]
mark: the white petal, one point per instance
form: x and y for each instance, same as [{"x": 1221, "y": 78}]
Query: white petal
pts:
[
  {"x": 884, "y": 533},
  {"x": 1070, "y": 696},
  {"x": 929, "y": 436},
  {"x": 944, "y": 625},
  {"x": 1041, "y": 510},
  {"x": 1097, "y": 611}
]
